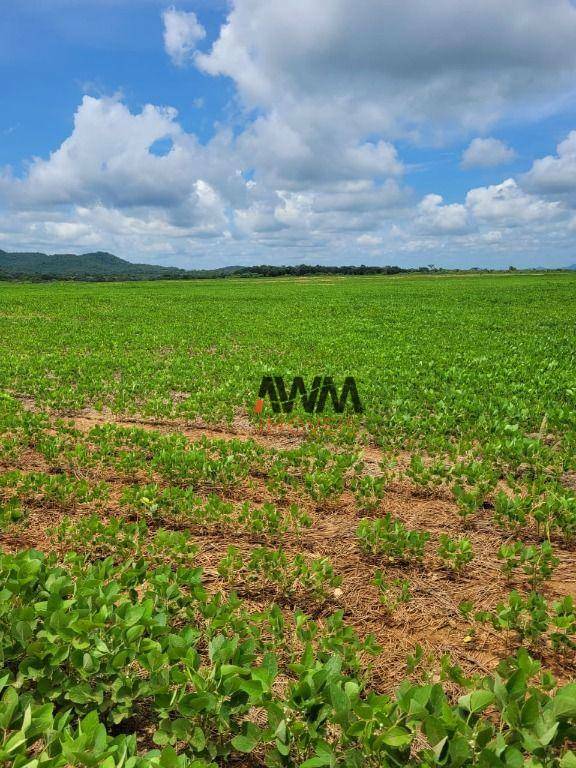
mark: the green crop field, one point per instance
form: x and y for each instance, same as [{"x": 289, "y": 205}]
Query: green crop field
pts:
[{"x": 188, "y": 582}]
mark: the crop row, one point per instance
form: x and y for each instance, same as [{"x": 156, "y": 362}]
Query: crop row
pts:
[{"x": 88, "y": 647}]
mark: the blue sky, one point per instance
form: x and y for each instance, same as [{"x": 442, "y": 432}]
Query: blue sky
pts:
[
  {"x": 207, "y": 133},
  {"x": 51, "y": 54}
]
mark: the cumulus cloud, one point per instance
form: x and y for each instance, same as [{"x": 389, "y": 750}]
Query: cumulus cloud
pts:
[
  {"x": 555, "y": 174},
  {"x": 322, "y": 78},
  {"x": 500, "y": 218},
  {"x": 508, "y": 205},
  {"x": 287, "y": 155},
  {"x": 104, "y": 187},
  {"x": 392, "y": 64},
  {"x": 106, "y": 177},
  {"x": 182, "y": 32},
  {"x": 436, "y": 218},
  {"x": 108, "y": 159},
  {"x": 327, "y": 96},
  {"x": 487, "y": 153},
  {"x": 106, "y": 156}
]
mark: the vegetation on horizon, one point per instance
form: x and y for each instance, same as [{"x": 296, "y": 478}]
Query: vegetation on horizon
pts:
[{"x": 105, "y": 267}]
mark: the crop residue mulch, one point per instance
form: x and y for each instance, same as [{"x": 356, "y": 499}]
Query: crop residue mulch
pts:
[{"x": 430, "y": 618}]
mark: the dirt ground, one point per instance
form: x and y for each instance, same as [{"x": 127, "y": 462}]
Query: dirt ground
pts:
[{"x": 430, "y": 618}]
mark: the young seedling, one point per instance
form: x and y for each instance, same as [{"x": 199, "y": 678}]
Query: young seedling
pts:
[
  {"x": 455, "y": 553},
  {"x": 390, "y": 538},
  {"x": 536, "y": 561},
  {"x": 391, "y": 592}
]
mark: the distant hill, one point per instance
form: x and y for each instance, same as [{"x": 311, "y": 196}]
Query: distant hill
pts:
[
  {"x": 73, "y": 265},
  {"x": 90, "y": 266}
]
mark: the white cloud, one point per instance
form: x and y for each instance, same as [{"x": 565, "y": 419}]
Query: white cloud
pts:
[
  {"x": 107, "y": 160},
  {"x": 327, "y": 93},
  {"x": 106, "y": 156},
  {"x": 257, "y": 219},
  {"x": 104, "y": 188},
  {"x": 499, "y": 219},
  {"x": 388, "y": 64},
  {"x": 435, "y": 218},
  {"x": 323, "y": 78},
  {"x": 105, "y": 177},
  {"x": 182, "y": 32},
  {"x": 486, "y": 153},
  {"x": 369, "y": 241},
  {"x": 508, "y": 205},
  {"x": 362, "y": 196},
  {"x": 555, "y": 175},
  {"x": 296, "y": 156}
]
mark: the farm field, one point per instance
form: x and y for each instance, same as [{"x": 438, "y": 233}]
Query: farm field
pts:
[{"x": 186, "y": 582}]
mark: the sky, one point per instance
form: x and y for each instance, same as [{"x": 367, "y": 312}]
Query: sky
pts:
[{"x": 210, "y": 133}]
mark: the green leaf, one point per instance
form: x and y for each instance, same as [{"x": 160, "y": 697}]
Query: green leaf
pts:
[
  {"x": 9, "y": 704},
  {"x": 476, "y": 701},
  {"x": 568, "y": 760},
  {"x": 548, "y": 735},
  {"x": 316, "y": 762},
  {"x": 339, "y": 701},
  {"x": 198, "y": 740},
  {"x": 193, "y": 702},
  {"x": 434, "y": 730},
  {"x": 161, "y": 738},
  {"x": 283, "y": 748},
  {"x": 133, "y": 615},
  {"x": 513, "y": 758},
  {"x": 244, "y": 743},
  {"x": 565, "y": 701},
  {"x": 439, "y": 747},
  {"x": 530, "y": 712},
  {"x": 459, "y": 751},
  {"x": 397, "y": 737},
  {"x": 231, "y": 669},
  {"x": 15, "y": 741},
  {"x": 169, "y": 758}
]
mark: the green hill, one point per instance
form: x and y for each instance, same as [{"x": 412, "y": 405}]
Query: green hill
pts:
[{"x": 84, "y": 266}]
